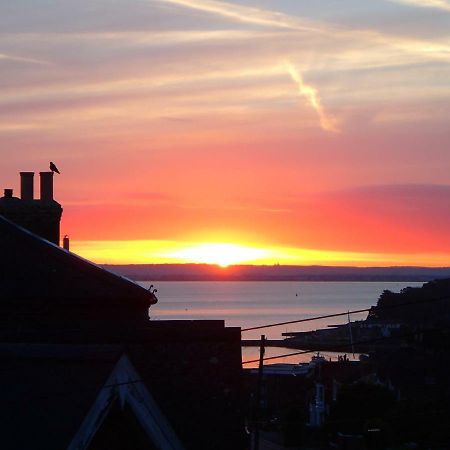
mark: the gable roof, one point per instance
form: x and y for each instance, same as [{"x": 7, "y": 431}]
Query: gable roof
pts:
[
  {"x": 126, "y": 386},
  {"x": 32, "y": 267},
  {"x": 56, "y": 397}
]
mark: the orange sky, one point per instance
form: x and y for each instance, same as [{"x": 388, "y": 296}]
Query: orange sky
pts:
[{"x": 291, "y": 131}]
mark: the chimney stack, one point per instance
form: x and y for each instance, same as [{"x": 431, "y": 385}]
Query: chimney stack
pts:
[
  {"x": 46, "y": 186},
  {"x": 40, "y": 216},
  {"x": 27, "y": 185}
]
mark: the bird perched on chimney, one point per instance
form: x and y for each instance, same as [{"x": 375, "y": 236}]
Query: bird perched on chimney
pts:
[{"x": 53, "y": 168}]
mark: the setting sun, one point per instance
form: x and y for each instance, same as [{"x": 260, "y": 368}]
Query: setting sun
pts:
[
  {"x": 221, "y": 254},
  {"x": 226, "y": 254}
]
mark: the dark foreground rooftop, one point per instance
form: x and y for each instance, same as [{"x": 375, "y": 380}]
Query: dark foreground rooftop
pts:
[{"x": 53, "y": 302}]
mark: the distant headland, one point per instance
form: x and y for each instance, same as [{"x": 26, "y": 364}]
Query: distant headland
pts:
[{"x": 209, "y": 272}]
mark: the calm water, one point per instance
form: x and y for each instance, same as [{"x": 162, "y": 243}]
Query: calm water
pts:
[{"x": 248, "y": 304}]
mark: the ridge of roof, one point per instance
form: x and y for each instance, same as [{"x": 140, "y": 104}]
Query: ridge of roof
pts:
[{"x": 68, "y": 260}]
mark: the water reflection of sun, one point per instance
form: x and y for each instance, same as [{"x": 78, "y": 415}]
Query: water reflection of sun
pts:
[{"x": 221, "y": 254}]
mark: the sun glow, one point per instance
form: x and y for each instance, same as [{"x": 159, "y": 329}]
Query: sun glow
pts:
[
  {"x": 227, "y": 254},
  {"x": 221, "y": 254}
]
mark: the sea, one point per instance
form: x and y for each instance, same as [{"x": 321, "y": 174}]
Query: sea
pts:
[{"x": 248, "y": 304}]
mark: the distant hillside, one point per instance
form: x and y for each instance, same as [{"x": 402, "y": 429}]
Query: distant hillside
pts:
[
  {"x": 414, "y": 316},
  {"x": 206, "y": 272},
  {"x": 427, "y": 305}
]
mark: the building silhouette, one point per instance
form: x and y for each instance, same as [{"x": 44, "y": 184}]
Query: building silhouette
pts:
[{"x": 66, "y": 328}]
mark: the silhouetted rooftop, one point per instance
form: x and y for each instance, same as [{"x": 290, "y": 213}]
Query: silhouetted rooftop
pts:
[
  {"x": 32, "y": 267},
  {"x": 49, "y": 295},
  {"x": 42, "y": 283}
]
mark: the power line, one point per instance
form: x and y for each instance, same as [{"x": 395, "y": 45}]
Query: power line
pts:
[
  {"x": 342, "y": 346},
  {"x": 356, "y": 311},
  {"x": 327, "y": 316},
  {"x": 303, "y": 352}
]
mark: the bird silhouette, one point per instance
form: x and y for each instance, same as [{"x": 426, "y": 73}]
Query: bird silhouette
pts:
[{"x": 53, "y": 168}]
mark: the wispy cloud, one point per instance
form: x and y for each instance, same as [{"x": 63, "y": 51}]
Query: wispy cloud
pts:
[
  {"x": 116, "y": 73},
  {"x": 22, "y": 59},
  {"x": 270, "y": 18},
  {"x": 19, "y": 127},
  {"x": 327, "y": 122},
  {"x": 247, "y": 14},
  {"x": 437, "y": 4},
  {"x": 155, "y": 38}
]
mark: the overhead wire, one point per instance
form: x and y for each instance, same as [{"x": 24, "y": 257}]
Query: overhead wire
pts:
[
  {"x": 346, "y": 345},
  {"x": 356, "y": 311}
]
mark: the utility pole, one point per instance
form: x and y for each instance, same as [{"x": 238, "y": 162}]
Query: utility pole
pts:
[
  {"x": 351, "y": 334},
  {"x": 258, "y": 392}
]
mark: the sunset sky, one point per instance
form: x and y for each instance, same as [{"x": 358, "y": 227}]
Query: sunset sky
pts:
[{"x": 245, "y": 131}]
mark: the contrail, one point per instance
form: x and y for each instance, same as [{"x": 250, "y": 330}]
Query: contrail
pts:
[
  {"x": 248, "y": 14},
  {"x": 21, "y": 59},
  {"x": 438, "y": 4},
  {"x": 270, "y": 18},
  {"x": 327, "y": 122}
]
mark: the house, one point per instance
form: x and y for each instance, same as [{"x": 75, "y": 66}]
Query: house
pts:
[{"x": 51, "y": 297}]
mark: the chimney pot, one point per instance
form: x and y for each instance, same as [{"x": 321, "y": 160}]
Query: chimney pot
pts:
[
  {"x": 66, "y": 243},
  {"x": 8, "y": 193},
  {"x": 27, "y": 185},
  {"x": 46, "y": 186}
]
